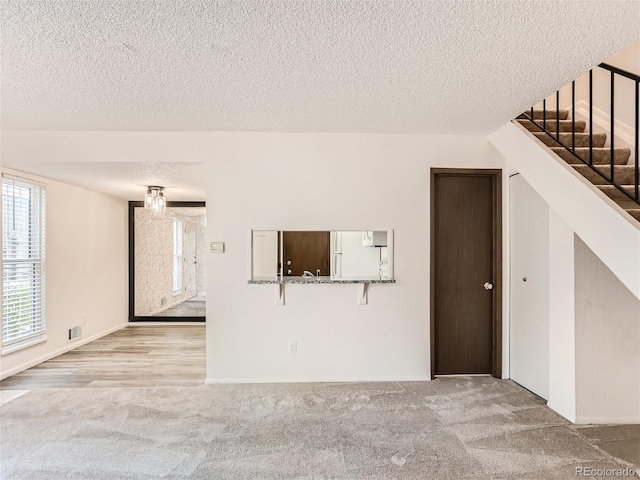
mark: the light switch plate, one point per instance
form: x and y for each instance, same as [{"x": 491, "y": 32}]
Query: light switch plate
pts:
[{"x": 217, "y": 247}]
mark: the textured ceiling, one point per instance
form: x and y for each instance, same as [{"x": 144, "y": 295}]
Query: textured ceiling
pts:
[
  {"x": 182, "y": 181},
  {"x": 331, "y": 66}
]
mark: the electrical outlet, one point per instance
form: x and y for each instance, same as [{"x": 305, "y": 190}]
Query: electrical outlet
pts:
[
  {"x": 83, "y": 319},
  {"x": 293, "y": 347}
]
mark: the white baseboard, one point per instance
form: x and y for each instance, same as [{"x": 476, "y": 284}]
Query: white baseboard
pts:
[
  {"x": 166, "y": 324},
  {"x": 608, "y": 420},
  {"x": 215, "y": 381},
  {"x": 65, "y": 349},
  {"x": 559, "y": 411}
]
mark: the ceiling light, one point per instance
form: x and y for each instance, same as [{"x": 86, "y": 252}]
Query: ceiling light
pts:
[{"x": 154, "y": 200}]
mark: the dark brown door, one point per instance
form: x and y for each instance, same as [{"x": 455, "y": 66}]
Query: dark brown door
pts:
[
  {"x": 306, "y": 251},
  {"x": 465, "y": 272}
]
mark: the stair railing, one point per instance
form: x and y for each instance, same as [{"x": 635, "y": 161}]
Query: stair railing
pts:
[{"x": 615, "y": 72}]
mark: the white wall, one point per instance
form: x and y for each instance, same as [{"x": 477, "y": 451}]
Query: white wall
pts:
[
  {"x": 608, "y": 230},
  {"x": 624, "y": 109},
  {"x": 607, "y": 343},
  {"x": 377, "y": 183},
  {"x": 542, "y": 249},
  {"x": 274, "y": 181},
  {"x": 562, "y": 358},
  {"x": 594, "y": 317},
  {"x": 86, "y": 270}
]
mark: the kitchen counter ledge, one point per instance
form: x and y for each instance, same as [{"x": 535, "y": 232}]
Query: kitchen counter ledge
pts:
[{"x": 315, "y": 280}]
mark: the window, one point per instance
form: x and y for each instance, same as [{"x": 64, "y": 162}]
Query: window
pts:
[
  {"x": 177, "y": 256},
  {"x": 23, "y": 263}
]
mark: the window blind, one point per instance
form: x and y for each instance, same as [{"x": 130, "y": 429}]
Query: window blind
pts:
[
  {"x": 23, "y": 260},
  {"x": 177, "y": 255}
]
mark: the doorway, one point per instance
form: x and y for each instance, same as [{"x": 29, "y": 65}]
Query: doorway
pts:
[
  {"x": 306, "y": 252},
  {"x": 529, "y": 287},
  {"x": 466, "y": 272},
  {"x": 167, "y": 263}
]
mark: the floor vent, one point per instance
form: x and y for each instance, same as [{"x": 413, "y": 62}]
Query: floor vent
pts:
[{"x": 75, "y": 333}]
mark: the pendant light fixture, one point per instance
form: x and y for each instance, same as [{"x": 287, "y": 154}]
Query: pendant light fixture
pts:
[{"x": 154, "y": 200}]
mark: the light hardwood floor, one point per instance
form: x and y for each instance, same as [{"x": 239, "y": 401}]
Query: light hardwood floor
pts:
[{"x": 145, "y": 356}]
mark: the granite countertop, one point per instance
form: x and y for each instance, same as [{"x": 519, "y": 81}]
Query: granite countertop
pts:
[{"x": 309, "y": 280}]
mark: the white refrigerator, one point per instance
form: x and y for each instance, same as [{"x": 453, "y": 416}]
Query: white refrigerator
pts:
[{"x": 353, "y": 256}]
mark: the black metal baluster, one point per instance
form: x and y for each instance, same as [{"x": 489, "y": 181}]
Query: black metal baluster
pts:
[
  {"x": 637, "y": 128},
  {"x": 591, "y": 117},
  {"x": 631, "y": 193},
  {"x": 573, "y": 117},
  {"x": 612, "y": 126},
  {"x": 558, "y": 115}
]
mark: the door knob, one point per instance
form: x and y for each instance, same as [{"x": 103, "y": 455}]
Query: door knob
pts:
[
  {"x": 488, "y": 286},
  {"x": 288, "y": 272},
  {"x": 288, "y": 262}
]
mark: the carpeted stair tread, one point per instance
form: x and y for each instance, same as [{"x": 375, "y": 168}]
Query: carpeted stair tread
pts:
[
  {"x": 624, "y": 202},
  {"x": 564, "y": 125},
  {"x": 623, "y": 174},
  {"x": 551, "y": 114},
  {"x": 601, "y": 156},
  {"x": 560, "y": 136},
  {"x": 634, "y": 212},
  {"x": 616, "y": 195},
  {"x": 581, "y": 139}
]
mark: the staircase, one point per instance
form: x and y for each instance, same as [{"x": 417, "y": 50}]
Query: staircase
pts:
[{"x": 556, "y": 131}]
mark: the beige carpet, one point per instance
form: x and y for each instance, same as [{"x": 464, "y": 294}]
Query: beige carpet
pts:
[{"x": 445, "y": 429}]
